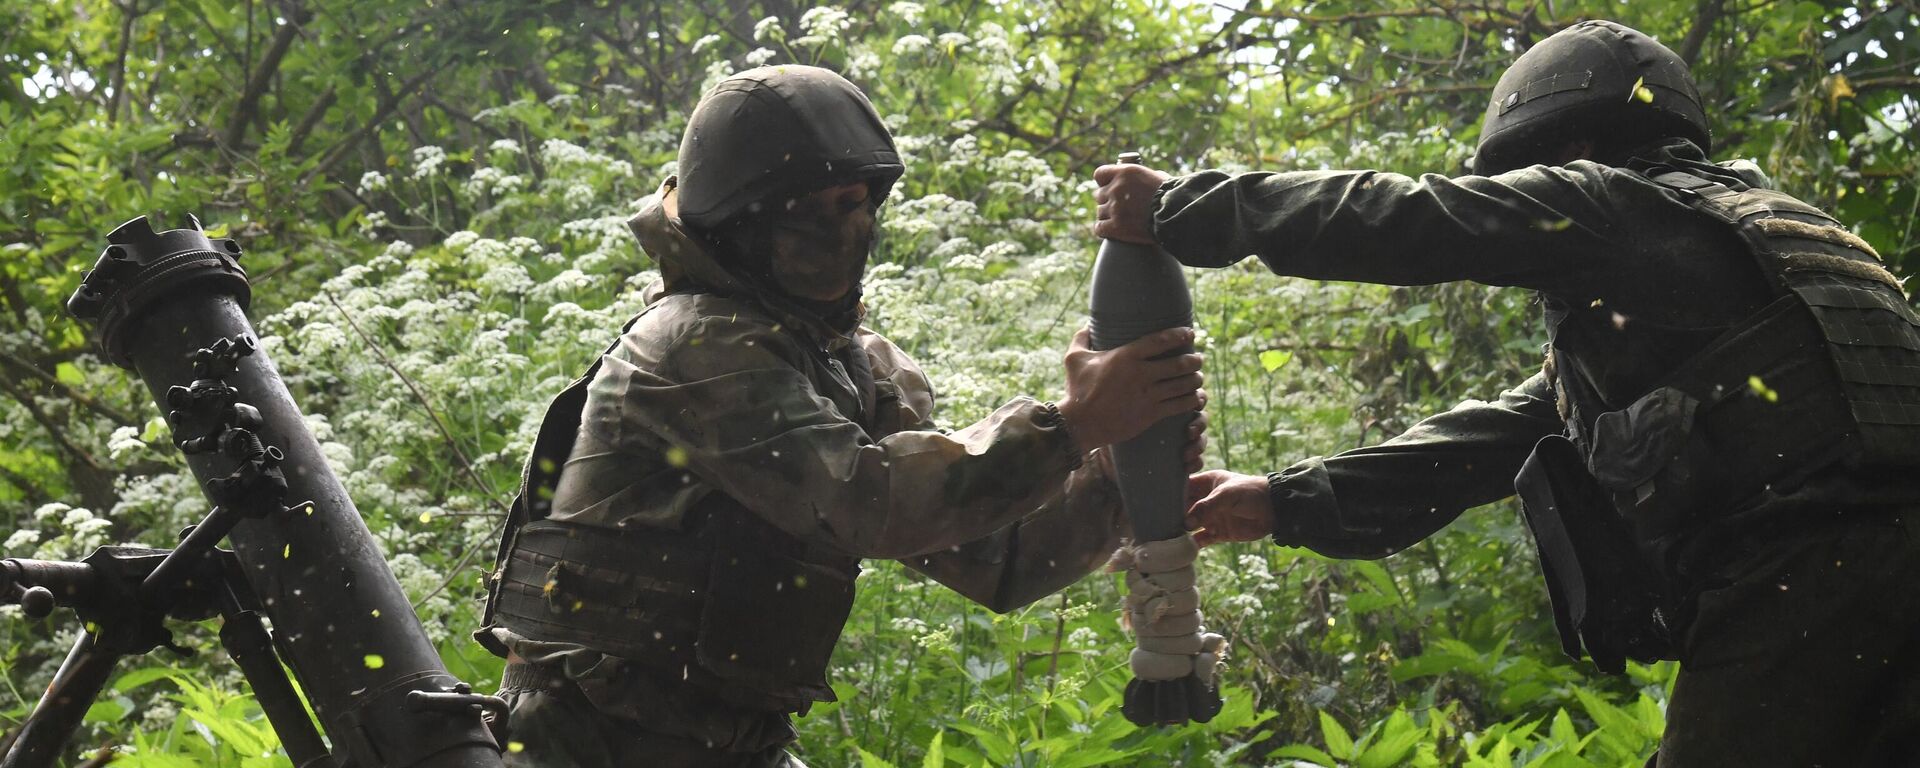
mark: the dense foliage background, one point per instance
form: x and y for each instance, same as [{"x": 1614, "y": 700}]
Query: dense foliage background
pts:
[{"x": 432, "y": 196}]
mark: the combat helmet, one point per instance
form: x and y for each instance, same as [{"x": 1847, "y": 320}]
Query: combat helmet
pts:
[
  {"x": 779, "y": 129},
  {"x": 1597, "y": 80}
]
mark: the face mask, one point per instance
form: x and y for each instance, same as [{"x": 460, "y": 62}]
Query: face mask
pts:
[{"x": 821, "y": 243}]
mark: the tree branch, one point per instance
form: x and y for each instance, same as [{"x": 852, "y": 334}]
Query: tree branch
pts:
[
  {"x": 456, "y": 114},
  {"x": 479, "y": 483},
  {"x": 92, "y": 404},
  {"x": 29, "y": 487},
  {"x": 386, "y": 110},
  {"x": 1372, "y": 101},
  {"x": 1435, "y": 11},
  {"x": 1878, "y": 83},
  {"x": 1705, "y": 15},
  {"x": 244, "y": 111},
  {"x": 130, "y": 12},
  {"x": 311, "y": 118},
  {"x": 58, "y": 433}
]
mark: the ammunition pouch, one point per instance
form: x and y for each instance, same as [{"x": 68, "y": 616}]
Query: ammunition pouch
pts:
[
  {"x": 1605, "y": 595},
  {"x": 1755, "y": 413},
  {"x": 636, "y": 596},
  {"x": 772, "y": 616},
  {"x": 716, "y": 607}
]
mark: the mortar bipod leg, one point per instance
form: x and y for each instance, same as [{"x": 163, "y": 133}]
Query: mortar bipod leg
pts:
[
  {"x": 246, "y": 639},
  {"x": 74, "y": 688}
]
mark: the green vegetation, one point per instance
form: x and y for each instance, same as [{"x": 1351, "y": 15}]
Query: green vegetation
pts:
[{"x": 432, "y": 197}]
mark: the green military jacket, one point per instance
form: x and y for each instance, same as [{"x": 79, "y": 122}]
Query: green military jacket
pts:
[
  {"x": 1584, "y": 235},
  {"x": 720, "y": 390}
]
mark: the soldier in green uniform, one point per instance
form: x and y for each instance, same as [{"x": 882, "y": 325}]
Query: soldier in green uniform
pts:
[
  {"x": 1720, "y": 461},
  {"x": 681, "y": 560}
]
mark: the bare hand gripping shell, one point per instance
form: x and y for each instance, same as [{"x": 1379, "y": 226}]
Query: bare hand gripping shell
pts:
[{"x": 1138, "y": 290}]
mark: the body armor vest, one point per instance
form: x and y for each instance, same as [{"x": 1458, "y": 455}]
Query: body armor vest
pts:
[
  {"x": 728, "y": 603},
  {"x": 1825, "y": 376},
  {"x": 1826, "y": 373}
]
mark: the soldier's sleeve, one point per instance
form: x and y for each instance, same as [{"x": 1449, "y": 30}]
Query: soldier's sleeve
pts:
[
  {"x": 1542, "y": 227},
  {"x": 728, "y": 401},
  {"x": 1075, "y": 528},
  {"x": 1374, "y": 501},
  {"x": 1072, "y": 533}
]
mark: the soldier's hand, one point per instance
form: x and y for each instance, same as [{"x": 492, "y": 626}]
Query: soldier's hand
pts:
[
  {"x": 1125, "y": 202},
  {"x": 1228, "y": 506},
  {"x": 1196, "y": 437},
  {"x": 1116, "y": 394}
]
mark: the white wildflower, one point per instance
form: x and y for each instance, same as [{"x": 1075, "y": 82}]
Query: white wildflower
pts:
[
  {"x": 1241, "y": 604},
  {"x": 21, "y": 540},
  {"x": 952, "y": 41},
  {"x": 568, "y": 282},
  {"x": 1083, "y": 637},
  {"x": 716, "y": 72},
  {"x": 863, "y": 63},
  {"x": 908, "y": 45},
  {"x": 125, "y": 440},
  {"x": 160, "y": 715},
  {"x": 427, "y": 161},
  {"x": 824, "y": 24},
  {"x": 47, "y": 511},
  {"x": 759, "y": 56},
  {"x": 993, "y": 41},
  {"x": 372, "y": 181},
  {"x": 505, "y": 278},
  {"x": 1254, "y": 569},
  {"x": 701, "y": 45},
  {"x": 504, "y": 147},
  {"x": 560, "y": 152},
  {"x": 769, "y": 29},
  {"x": 967, "y": 262},
  {"x": 523, "y": 246},
  {"x": 908, "y": 12},
  {"x": 578, "y": 195}
]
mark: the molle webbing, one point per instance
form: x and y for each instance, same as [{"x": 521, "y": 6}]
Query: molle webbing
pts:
[
  {"x": 1871, "y": 334},
  {"x": 551, "y": 447},
  {"x": 556, "y": 585}
]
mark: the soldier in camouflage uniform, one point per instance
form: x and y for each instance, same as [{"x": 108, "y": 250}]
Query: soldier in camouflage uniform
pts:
[
  {"x": 1718, "y": 462},
  {"x": 682, "y": 557}
]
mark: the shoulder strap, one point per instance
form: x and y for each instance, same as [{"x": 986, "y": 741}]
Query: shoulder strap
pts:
[{"x": 1784, "y": 234}]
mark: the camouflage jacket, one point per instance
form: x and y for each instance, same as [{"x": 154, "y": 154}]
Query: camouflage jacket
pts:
[{"x": 719, "y": 388}]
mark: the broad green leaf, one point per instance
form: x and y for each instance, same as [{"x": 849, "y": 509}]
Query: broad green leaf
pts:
[
  {"x": 1339, "y": 743},
  {"x": 1274, "y": 359}
]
